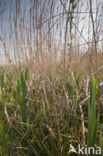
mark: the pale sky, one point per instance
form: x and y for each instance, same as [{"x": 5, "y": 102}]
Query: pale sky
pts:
[{"x": 84, "y": 22}]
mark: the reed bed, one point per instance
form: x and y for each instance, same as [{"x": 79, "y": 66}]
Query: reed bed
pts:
[{"x": 43, "y": 113}]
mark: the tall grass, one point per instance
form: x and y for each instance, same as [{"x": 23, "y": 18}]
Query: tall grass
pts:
[
  {"x": 44, "y": 116},
  {"x": 46, "y": 103},
  {"x": 22, "y": 95}
]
